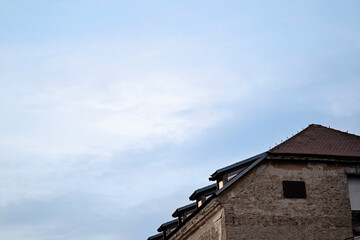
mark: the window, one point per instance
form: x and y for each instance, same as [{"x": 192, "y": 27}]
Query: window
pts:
[
  {"x": 294, "y": 189},
  {"x": 354, "y": 192},
  {"x": 221, "y": 184}
]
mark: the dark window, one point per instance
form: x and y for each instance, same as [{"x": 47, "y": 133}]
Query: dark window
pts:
[{"x": 294, "y": 189}]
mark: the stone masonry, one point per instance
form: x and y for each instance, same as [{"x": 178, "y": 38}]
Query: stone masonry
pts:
[
  {"x": 255, "y": 207},
  {"x": 208, "y": 224}
]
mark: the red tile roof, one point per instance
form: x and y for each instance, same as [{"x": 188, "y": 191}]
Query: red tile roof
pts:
[{"x": 320, "y": 140}]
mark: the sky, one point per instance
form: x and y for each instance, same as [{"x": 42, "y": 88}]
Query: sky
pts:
[{"x": 114, "y": 112}]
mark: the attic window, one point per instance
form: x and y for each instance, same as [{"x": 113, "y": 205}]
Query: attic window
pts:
[
  {"x": 221, "y": 184},
  {"x": 294, "y": 189}
]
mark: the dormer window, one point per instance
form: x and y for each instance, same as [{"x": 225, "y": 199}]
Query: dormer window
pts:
[
  {"x": 183, "y": 212},
  {"x": 202, "y": 194},
  {"x": 224, "y": 175},
  {"x": 168, "y": 227},
  {"x": 221, "y": 184},
  {"x": 233, "y": 174}
]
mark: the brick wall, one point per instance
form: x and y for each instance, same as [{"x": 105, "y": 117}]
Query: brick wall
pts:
[
  {"x": 256, "y": 209},
  {"x": 208, "y": 224}
]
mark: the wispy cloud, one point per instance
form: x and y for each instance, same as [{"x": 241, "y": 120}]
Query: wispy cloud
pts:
[
  {"x": 108, "y": 109},
  {"x": 98, "y": 105}
]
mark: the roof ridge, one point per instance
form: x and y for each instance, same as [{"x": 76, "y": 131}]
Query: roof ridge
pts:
[
  {"x": 320, "y": 140},
  {"x": 312, "y": 125},
  {"x": 296, "y": 134},
  {"x": 339, "y": 131}
]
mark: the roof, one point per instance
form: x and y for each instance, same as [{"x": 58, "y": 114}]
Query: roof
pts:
[
  {"x": 204, "y": 190},
  {"x": 158, "y": 236},
  {"x": 169, "y": 224},
  {"x": 234, "y": 166},
  {"x": 245, "y": 171},
  {"x": 313, "y": 140},
  {"x": 191, "y": 215},
  {"x": 320, "y": 140},
  {"x": 189, "y": 207}
]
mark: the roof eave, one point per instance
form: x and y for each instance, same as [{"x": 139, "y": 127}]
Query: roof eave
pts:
[
  {"x": 191, "y": 216},
  {"x": 183, "y": 209},
  {"x": 217, "y": 193},
  {"x": 164, "y": 225},
  {"x": 222, "y": 171},
  {"x": 200, "y": 191},
  {"x": 323, "y": 157},
  {"x": 155, "y": 236},
  {"x": 243, "y": 173}
]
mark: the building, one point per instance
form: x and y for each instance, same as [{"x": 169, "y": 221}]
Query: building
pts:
[{"x": 307, "y": 187}]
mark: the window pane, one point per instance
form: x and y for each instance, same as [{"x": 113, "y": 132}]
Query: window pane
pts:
[
  {"x": 294, "y": 189},
  {"x": 354, "y": 192}
]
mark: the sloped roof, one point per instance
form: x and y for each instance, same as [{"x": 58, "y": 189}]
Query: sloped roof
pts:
[
  {"x": 156, "y": 237},
  {"x": 189, "y": 207},
  {"x": 205, "y": 190},
  {"x": 320, "y": 140},
  {"x": 234, "y": 166},
  {"x": 259, "y": 159},
  {"x": 169, "y": 224}
]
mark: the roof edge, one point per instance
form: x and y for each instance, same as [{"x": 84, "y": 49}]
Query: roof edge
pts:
[
  {"x": 311, "y": 126},
  {"x": 191, "y": 216},
  {"x": 155, "y": 236},
  {"x": 162, "y": 226},
  {"x": 234, "y": 165},
  {"x": 240, "y": 175},
  {"x": 200, "y": 190},
  {"x": 183, "y": 208},
  {"x": 299, "y": 132},
  {"x": 341, "y": 158}
]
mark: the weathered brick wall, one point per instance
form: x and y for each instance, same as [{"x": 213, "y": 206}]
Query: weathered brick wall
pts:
[
  {"x": 256, "y": 209},
  {"x": 208, "y": 224}
]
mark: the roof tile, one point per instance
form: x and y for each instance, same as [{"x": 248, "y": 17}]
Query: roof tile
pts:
[{"x": 320, "y": 140}]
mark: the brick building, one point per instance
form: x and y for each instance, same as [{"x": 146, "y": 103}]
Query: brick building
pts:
[{"x": 307, "y": 187}]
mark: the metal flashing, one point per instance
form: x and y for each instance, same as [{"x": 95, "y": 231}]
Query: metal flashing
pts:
[
  {"x": 184, "y": 208},
  {"x": 167, "y": 224},
  {"x": 234, "y": 166},
  {"x": 203, "y": 190},
  {"x": 240, "y": 175},
  {"x": 158, "y": 236}
]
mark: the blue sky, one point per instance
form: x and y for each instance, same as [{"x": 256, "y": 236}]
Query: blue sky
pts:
[{"x": 114, "y": 112}]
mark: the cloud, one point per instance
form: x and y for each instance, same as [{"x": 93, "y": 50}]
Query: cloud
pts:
[
  {"x": 98, "y": 106},
  {"x": 83, "y": 198},
  {"x": 108, "y": 96},
  {"x": 342, "y": 100},
  {"x": 99, "y": 128}
]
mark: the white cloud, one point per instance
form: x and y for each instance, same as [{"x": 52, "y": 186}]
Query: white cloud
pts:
[
  {"x": 94, "y": 133},
  {"x": 102, "y": 102},
  {"x": 342, "y": 99}
]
